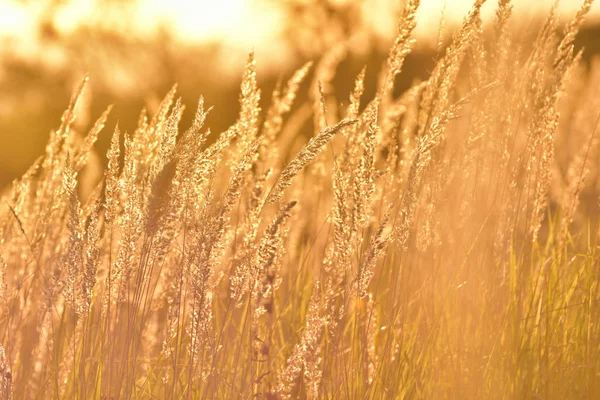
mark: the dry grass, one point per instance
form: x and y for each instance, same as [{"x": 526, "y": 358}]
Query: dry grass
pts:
[{"x": 441, "y": 244}]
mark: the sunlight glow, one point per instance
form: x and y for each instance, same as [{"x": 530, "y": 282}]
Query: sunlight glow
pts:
[
  {"x": 239, "y": 21},
  {"x": 229, "y": 20},
  {"x": 235, "y": 24}
]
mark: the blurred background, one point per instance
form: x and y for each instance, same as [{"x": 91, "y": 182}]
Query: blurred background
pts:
[{"x": 135, "y": 50}]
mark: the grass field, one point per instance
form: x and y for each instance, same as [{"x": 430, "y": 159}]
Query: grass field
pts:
[{"x": 434, "y": 244}]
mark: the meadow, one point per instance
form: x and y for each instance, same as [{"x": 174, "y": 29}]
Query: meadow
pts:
[{"x": 437, "y": 242}]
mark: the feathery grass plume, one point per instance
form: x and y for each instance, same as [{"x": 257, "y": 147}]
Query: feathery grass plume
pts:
[
  {"x": 265, "y": 281},
  {"x": 240, "y": 271},
  {"x": 203, "y": 167},
  {"x": 364, "y": 185},
  {"x": 158, "y": 220},
  {"x": 356, "y": 94},
  {"x": 192, "y": 139},
  {"x": 164, "y": 207},
  {"x": 191, "y": 160},
  {"x": 509, "y": 99},
  {"x": 205, "y": 237},
  {"x": 390, "y": 124},
  {"x": 163, "y": 173},
  {"x": 280, "y": 106},
  {"x": 440, "y": 33},
  {"x": 546, "y": 117},
  {"x": 322, "y": 107},
  {"x": 94, "y": 197},
  {"x": 111, "y": 179},
  {"x": 46, "y": 340},
  {"x": 306, "y": 356},
  {"x": 22, "y": 198},
  {"x": 205, "y": 247},
  {"x": 274, "y": 118},
  {"x": 375, "y": 251},
  {"x": 258, "y": 191},
  {"x": 322, "y": 88},
  {"x": 423, "y": 154},
  {"x": 201, "y": 329},
  {"x": 74, "y": 369},
  {"x": 189, "y": 167},
  {"x": 72, "y": 257},
  {"x": 189, "y": 163},
  {"x": 343, "y": 227},
  {"x": 317, "y": 169},
  {"x": 502, "y": 33},
  {"x": 236, "y": 183},
  {"x": 265, "y": 275},
  {"x": 564, "y": 55},
  {"x": 505, "y": 50},
  {"x": 241, "y": 264},
  {"x": 247, "y": 125},
  {"x": 476, "y": 172},
  {"x": 477, "y": 56},
  {"x": 130, "y": 223},
  {"x": 149, "y": 137},
  {"x": 541, "y": 165},
  {"x": 111, "y": 210},
  {"x": 352, "y": 133},
  {"x": 537, "y": 80},
  {"x": 167, "y": 144},
  {"x": 173, "y": 295},
  {"x": 304, "y": 157},
  {"x": 405, "y": 131},
  {"x": 397, "y": 137},
  {"x": 436, "y": 318},
  {"x": 81, "y": 157},
  {"x": 51, "y": 173},
  {"x": 578, "y": 172},
  {"x": 58, "y": 138},
  {"x": 436, "y": 96},
  {"x": 400, "y": 49},
  {"x": 372, "y": 327},
  {"x": 428, "y": 233},
  {"x": 92, "y": 258},
  {"x": 160, "y": 211},
  {"x": 230, "y": 197},
  {"x": 208, "y": 247}
]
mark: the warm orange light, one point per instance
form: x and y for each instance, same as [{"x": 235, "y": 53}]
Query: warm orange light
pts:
[
  {"x": 242, "y": 24},
  {"x": 229, "y": 20}
]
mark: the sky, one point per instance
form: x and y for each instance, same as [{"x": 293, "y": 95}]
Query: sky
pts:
[
  {"x": 245, "y": 22},
  {"x": 238, "y": 25}
]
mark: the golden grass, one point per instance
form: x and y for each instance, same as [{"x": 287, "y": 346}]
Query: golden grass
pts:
[{"x": 439, "y": 244}]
